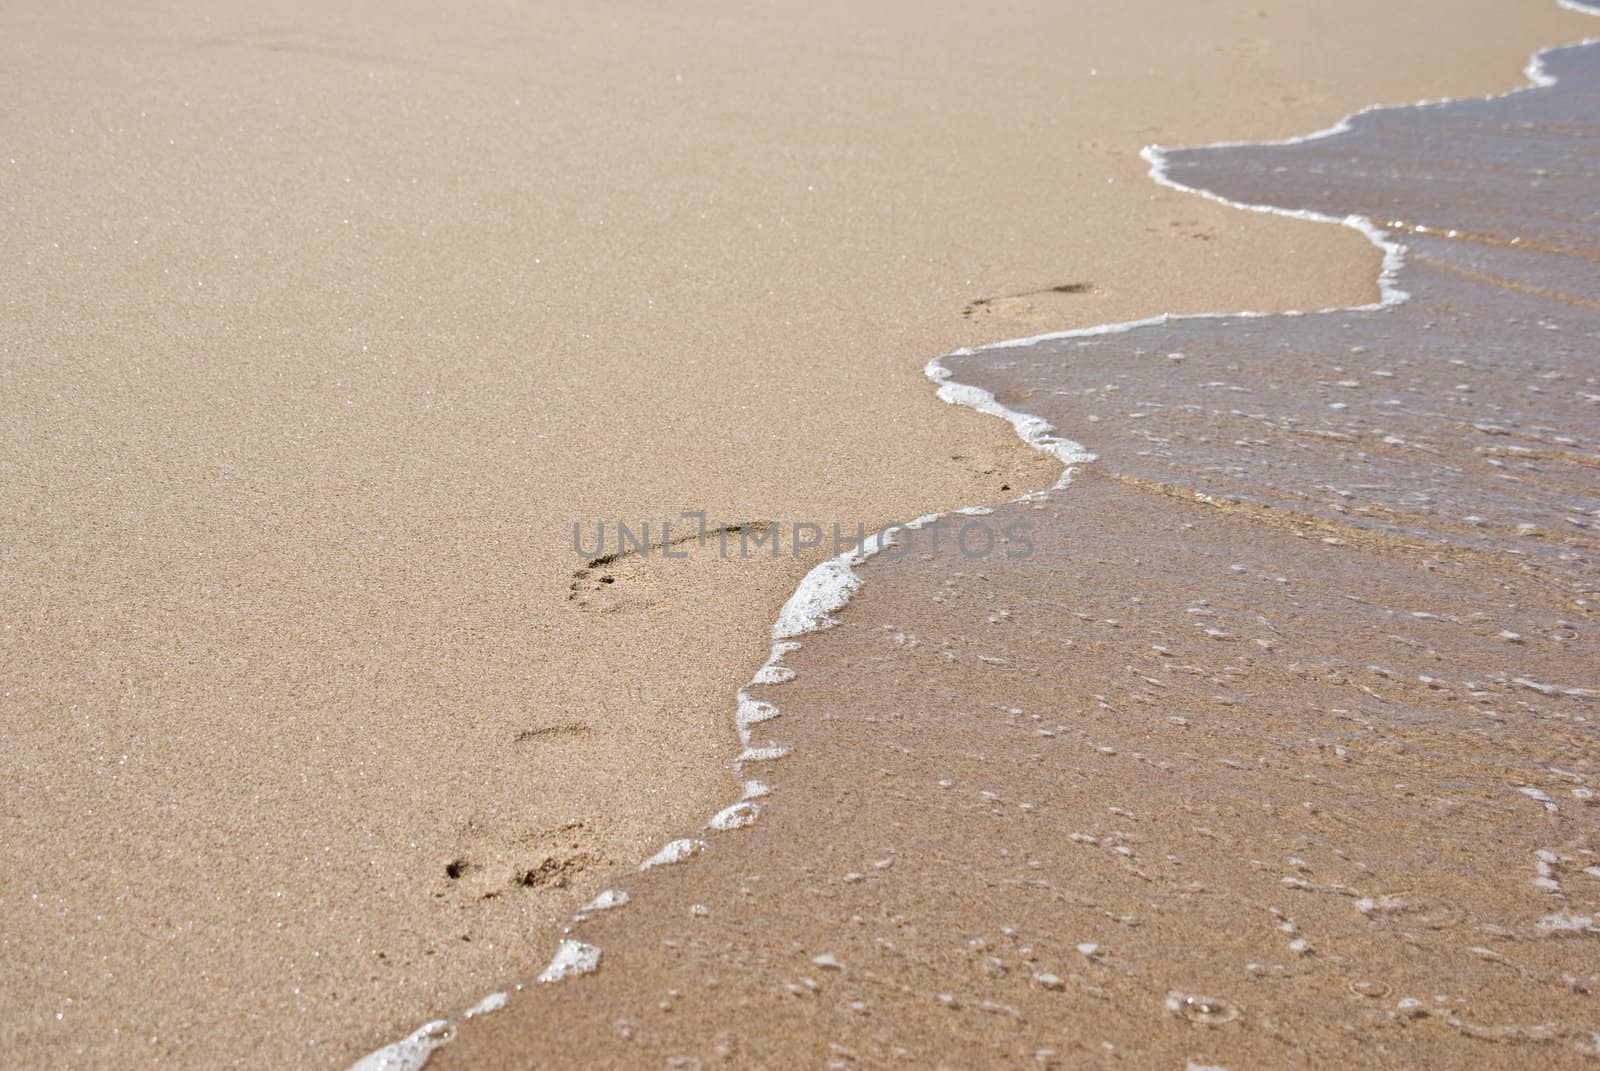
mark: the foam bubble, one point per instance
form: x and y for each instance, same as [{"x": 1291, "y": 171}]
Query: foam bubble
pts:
[
  {"x": 410, "y": 1053},
  {"x": 1198, "y": 1009},
  {"x": 571, "y": 959},
  {"x": 491, "y": 1003},
  {"x": 820, "y": 594},
  {"x": 675, "y": 852},
  {"x": 772, "y": 674},
  {"x": 753, "y": 711},
  {"x": 1566, "y": 922},
  {"x": 606, "y": 901},
  {"x": 1538, "y": 795},
  {"x": 735, "y": 816}
]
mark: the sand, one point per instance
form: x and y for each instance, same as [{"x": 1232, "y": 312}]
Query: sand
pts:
[
  {"x": 322, "y": 327},
  {"x": 1277, "y": 750}
]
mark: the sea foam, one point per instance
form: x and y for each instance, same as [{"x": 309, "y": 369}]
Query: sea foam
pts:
[{"x": 828, "y": 587}]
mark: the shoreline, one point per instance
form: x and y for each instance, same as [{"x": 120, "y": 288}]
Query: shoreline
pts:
[
  {"x": 827, "y": 588},
  {"x": 485, "y": 838}
]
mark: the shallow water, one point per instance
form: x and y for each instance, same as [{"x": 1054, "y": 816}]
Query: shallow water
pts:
[
  {"x": 1464, "y": 416},
  {"x": 1280, "y": 749}
]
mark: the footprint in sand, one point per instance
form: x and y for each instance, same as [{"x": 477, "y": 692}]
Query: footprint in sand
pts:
[
  {"x": 635, "y": 581},
  {"x": 1031, "y": 306},
  {"x": 491, "y": 861},
  {"x": 1192, "y": 228},
  {"x": 614, "y": 584},
  {"x": 988, "y": 470}
]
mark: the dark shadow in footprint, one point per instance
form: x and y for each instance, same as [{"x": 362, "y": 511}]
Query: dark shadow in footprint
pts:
[
  {"x": 545, "y": 732},
  {"x": 1027, "y": 305}
]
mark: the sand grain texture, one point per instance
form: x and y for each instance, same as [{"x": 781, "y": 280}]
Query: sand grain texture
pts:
[
  {"x": 1280, "y": 751},
  {"x": 321, "y": 326}
]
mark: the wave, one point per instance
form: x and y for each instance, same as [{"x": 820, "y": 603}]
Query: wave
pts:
[{"x": 828, "y": 587}]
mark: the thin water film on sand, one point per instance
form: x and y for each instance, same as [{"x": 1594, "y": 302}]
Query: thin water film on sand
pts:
[{"x": 1281, "y": 747}]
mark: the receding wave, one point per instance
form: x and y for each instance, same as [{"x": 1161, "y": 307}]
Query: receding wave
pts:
[{"x": 1280, "y": 744}]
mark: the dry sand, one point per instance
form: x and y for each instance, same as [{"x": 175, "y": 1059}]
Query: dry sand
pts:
[{"x": 321, "y": 327}]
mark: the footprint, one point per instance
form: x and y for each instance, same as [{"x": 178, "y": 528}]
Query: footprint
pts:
[
  {"x": 547, "y": 732},
  {"x": 989, "y": 471},
  {"x": 638, "y": 580},
  {"x": 1031, "y": 306},
  {"x": 1251, "y": 47},
  {"x": 613, "y": 583},
  {"x": 491, "y": 862},
  {"x": 1193, "y": 228}
]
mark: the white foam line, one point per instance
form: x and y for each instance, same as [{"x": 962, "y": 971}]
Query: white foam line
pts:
[
  {"x": 826, "y": 589},
  {"x": 1035, "y": 431},
  {"x": 410, "y": 1052},
  {"x": 1393, "y": 251}
]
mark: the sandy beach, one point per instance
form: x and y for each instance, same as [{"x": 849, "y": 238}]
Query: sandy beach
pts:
[
  {"x": 1266, "y": 739},
  {"x": 323, "y": 327}
]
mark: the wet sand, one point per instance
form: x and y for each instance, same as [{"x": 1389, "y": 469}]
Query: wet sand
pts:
[
  {"x": 1281, "y": 748},
  {"x": 320, "y": 329},
  {"x": 983, "y": 784}
]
